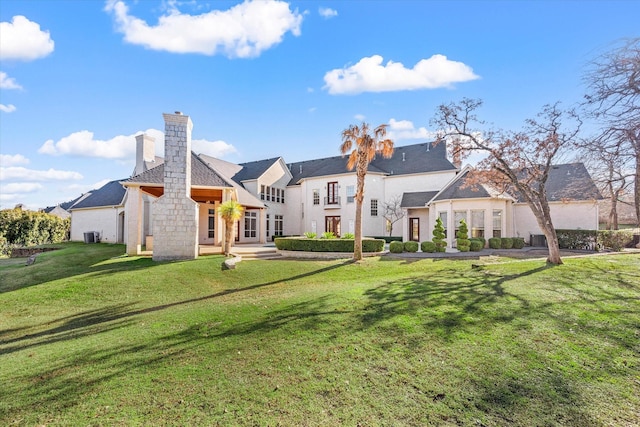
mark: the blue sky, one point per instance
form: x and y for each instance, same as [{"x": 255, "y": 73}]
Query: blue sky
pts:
[{"x": 79, "y": 79}]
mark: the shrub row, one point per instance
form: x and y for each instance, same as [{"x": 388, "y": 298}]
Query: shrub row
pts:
[
  {"x": 595, "y": 240},
  {"x": 327, "y": 245},
  {"x": 27, "y": 228}
]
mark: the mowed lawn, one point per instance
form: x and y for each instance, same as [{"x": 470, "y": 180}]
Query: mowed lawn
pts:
[{"x": 89, "y": 336}]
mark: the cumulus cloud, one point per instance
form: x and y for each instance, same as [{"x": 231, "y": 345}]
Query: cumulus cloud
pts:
[
  {"x": 370, "y": 75},
  {"x": 83, "y": 188},
  {"x": 21, "y": 187},
  {"x": 20, "y": 173},
  {"x": 13, "y": 160},
  {"x": 327, "y": 12},
  {"x": 10, "y": 108},
  {"x": 7, "y": 82},
  {"x": 23, "y": 40},
  {"x": 405, "y": 129},
  {"x": 243, "y": 31},
  {"x": 212, "y": 148}
]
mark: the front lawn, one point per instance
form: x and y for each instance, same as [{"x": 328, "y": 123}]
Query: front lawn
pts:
[{"x": 91, "y": 337}]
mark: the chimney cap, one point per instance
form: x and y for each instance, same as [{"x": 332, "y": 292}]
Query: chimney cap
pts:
[{"x": 178, "y": 113}]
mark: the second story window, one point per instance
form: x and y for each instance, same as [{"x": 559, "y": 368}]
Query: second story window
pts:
[
  {"x": 351, "y": 191},
  {"x": 316, "y": 196},
  {"x": 332, "y": 193},
  {"x": 374, "y": 207}
]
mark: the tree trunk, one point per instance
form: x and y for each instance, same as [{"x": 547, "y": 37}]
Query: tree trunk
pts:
[
  {"x": 228, "y": 233},
  {"x": 554, "y": 246},
  {"x": 637, "y": 185},
  {"x": 542, "y": 212},
  {"x": 357, "y": 242}
]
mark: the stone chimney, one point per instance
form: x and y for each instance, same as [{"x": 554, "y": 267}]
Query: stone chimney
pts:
[
  {"x": 175, "y": 225},
  {"x": 145, "y": 152}
]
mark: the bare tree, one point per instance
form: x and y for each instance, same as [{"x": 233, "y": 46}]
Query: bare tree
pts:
[
  {"x": 517, "y": 161},
  {"x": 613, "y": 81},
  {"x": 393, "y": 212},
  {"x": 362, "y": 147}
]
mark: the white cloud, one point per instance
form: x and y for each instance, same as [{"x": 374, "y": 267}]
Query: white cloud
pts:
[
  {"x": 327, "y": 12},
  {"x": 10, "y": 108},
  {"x": 405, "y": 129},
  {"x": 20, "y": 173},
  {"x": 7, "y": 82},
  {"x": 23, "y": 40},
  {"x": 360, "y": 117},
  {"x": 313, "y": 109},
  {"x": 369, "y": 75},
  {"x": 243, "y": 31},
  {"x": 212, "y": 148},
  {"x": 12, "y": 160},
  {"x": 21, "y": 187},
  {"x": 83, "y": 188},
  {"x": 83, "y": 144}
]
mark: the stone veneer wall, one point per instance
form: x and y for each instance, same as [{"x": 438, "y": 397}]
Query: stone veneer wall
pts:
[{"x": 175, "y": 225}]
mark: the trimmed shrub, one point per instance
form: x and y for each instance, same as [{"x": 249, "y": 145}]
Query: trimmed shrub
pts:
[
  {"x": 577, "y": 239},
  {"x": 438, "y": 236},
  {"x": 428, "y": 246},
  {"x": 396, "y": 247},
  {"x": 475, "y": 246},
  {"x": 310, "y": 235},
  {"x": 462, "y": 237},
  {"x": 495, "y": 243},
  {"x": 328, "y": 235},
  {"x": 518, "y": 242},
  {"x": 614, "y": 240},
  {"x": 29, "y": 228},
  {"x": 348, "y": 236},
  {"x": 506, "y": 243},
  {"x": 482, "y": 240},
  {"x": 411, "y": 246},
  {"x": 326, "y": 245}
]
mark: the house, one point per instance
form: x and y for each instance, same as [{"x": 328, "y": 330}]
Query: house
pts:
[{"x": 170, "y": 205}]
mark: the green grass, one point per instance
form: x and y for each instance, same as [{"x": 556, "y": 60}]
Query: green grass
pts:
[{"x": 91, "y": 337}]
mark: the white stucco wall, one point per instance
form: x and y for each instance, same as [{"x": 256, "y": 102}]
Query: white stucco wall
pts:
[
  {"x": 292, "y": 212},
  {"x": 569, "y": 216},
  {"x": 103, "y": 220}
]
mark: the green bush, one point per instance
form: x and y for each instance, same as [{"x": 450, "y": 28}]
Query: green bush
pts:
[
  {"x": 462, "y": 237},
  {"x": 506, "y": 243},
  {"x": 518, "y": 242},
  {"x": 428, "y": 246},
  {"x": 411, "y": 246},
  {"x": 29, "y": 228},
  {"x": 326, "y": 245},
  {"x": 396, "y": 247},
  {"x": 438, "y": 236},
  {"x": 328, "y": 235},
  {"x": 577, "y": 239},
  {"x": 614, "y": 240},
  {"x": 495, "y": 243},
  {"x": 348, "y": 236},
  {"x": 310, "y": 235},
  {"x": 482, "y": 240},
  {"x": 475, "y": 246}
]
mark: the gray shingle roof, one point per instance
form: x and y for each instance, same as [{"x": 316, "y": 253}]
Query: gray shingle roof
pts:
[
  {"x": 416, "y": 199},
  {"x": 253, "y": 170},
  {"x": 110, "y": 194},
  {"x": 458, "y": 190},
  {"x": 201, "y": 175},
  {"x": 408, "y": 159}
]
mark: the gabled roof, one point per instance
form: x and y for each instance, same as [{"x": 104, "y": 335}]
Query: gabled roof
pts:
[
  {"x": 409, "y": 159},
  {"x": 66, "y": 205},
  {"x": 457, "y": 189},
  {"x": 201, "y": 175},
  {"x": 227, "y": 170},
  {"x": 571, "y": 181},
  {"x": 416, "y": 199},
  {"x": 253, "y": 170},
  {"x": 110, "y": 194}
]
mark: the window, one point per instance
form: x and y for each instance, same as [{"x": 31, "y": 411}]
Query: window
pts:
[
  {"x": 332, "y": 224},
  {"x": 443, "y": 218},
  {"x": 282, "y": 191},
  {"x": 477, "y": 223},
  {"x": 414, "y": 229},
  {"x": 212, "y": 223},
  {"x": 250, "y": 222},
  {"x": 374, "y": 207},
  {"x": 262, "y": 192},
  {"x": 459, "y": 216},
  {"x": 278, "y": 195},
  {"x": 497, "y": 223},
  {"x": 268, "y": 192},
  {"x": 278, "y": 225},
  {"x": 273, "y": 194},
  {"x": 332, "y": 193},
  {"x": 316, "y": 197},
  {"x": 351, "y": 191},
  {"x": 267, "y": 225}
]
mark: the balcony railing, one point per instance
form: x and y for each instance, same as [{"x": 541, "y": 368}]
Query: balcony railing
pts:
[{"x": 332, "y": 202}]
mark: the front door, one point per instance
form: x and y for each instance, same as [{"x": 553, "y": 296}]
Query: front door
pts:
[
  {"x": 414, "y": 229},
  {"x": 332, "y": 224}
]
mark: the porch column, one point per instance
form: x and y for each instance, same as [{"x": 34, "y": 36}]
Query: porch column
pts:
[
  {"x": 263, "y": 226},
  {"x": 133, "y": 217}
]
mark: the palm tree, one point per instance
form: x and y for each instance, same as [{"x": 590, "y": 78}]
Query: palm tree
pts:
[
  {"x": 230, "y": 211},
  {"x": 362, "y": 148}
]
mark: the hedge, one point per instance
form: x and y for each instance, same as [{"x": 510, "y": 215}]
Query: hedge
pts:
[
  {"x": 476, "y": 245},
  {"x": 29, "y": 228},
  {"x": 326, "y": 245},
  {"x": 495, "y": 243},
  {"x": 411, "y": 246},
  {"x": 506, "y": 243},
  {"x": 593, "y": 240},
  {"x": 428, "y": 246},
  {"x": 518, "y": 242},
  {"x": 396, "y": 247}
]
